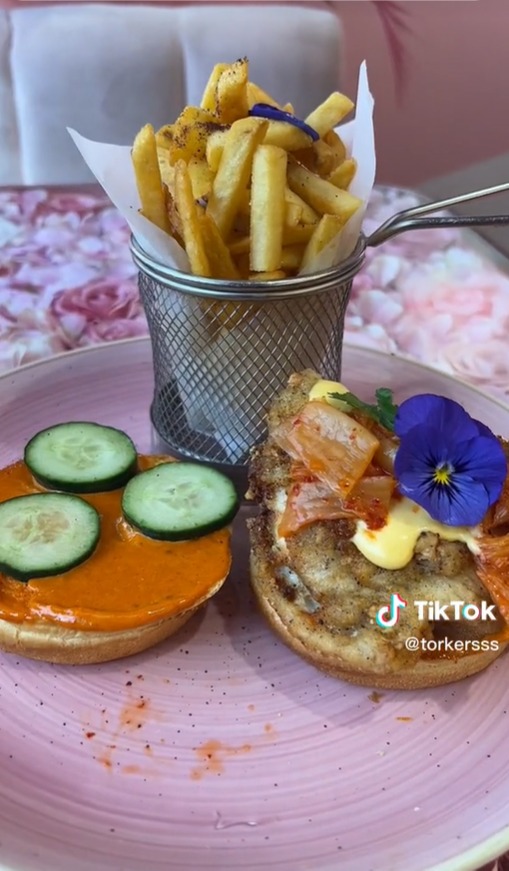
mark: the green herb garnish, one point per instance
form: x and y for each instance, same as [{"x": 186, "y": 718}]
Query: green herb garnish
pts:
[{"x": 383, "y": 412}]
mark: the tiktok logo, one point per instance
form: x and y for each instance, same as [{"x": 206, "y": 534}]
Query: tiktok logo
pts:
[{"x": 388, "y": 615}]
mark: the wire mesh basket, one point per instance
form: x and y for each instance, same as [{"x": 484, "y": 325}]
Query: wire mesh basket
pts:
[{"x": 222, "y": 350}]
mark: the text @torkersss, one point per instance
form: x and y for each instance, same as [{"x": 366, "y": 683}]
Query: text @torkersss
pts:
[{"x": 447, "y": 645}]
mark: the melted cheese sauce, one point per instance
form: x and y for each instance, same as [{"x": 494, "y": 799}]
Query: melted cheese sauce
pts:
[
  {"x": 322, "y": 390},
  {"x": 392, "y": 546},
  {"x": 130, "y": 580}
]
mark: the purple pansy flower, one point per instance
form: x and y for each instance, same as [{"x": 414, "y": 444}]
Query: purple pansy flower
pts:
[{"x": 450, "y": 464}]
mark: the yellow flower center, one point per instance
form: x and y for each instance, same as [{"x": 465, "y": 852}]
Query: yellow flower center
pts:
[{"x": 442, "y": 475}]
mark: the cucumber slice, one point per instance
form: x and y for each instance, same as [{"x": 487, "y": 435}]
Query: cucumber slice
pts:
[
  {"x": 81, "y": 457},
  {"x": 46, "y": 534},
  {"x": 177, "y": 501}
]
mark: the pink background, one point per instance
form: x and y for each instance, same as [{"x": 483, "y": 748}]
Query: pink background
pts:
[
  {"x": 451, "y": 111},
  {"x": 434, "y": 68}
]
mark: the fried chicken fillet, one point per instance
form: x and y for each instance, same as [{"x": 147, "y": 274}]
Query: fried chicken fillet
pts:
[{"x": 320, "y": 594}]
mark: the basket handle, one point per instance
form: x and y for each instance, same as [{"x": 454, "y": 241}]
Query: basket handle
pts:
[{"x": 415, "y": 218}]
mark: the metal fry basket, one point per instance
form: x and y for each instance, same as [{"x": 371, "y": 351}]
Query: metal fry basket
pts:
[{"x": 222, "y": 350}]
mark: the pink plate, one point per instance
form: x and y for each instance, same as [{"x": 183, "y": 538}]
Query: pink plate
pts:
[{"x": 220, "y": 749}]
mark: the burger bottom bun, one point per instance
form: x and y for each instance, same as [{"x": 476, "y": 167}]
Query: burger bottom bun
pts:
[
  {"x": 56, "y": 643},
  {"x": 424, "y": 673}
]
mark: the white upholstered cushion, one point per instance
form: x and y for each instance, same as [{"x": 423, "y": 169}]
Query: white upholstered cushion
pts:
[
  {"x": 107, "y": 69},
  {"x": 10, "y": 170},
  {"x": 104, "y": 70}
]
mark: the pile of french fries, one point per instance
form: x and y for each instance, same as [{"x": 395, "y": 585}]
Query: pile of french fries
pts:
[{"x": 249, "y": 198}]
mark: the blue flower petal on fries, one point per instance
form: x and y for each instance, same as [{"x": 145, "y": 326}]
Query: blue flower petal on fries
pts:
[{"x": 272, "y": 113}]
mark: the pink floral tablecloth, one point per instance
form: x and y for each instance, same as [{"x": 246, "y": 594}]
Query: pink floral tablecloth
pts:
[{"x": 67, "y": 281}]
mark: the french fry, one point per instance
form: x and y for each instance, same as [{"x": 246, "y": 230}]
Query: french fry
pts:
[
  {"x": 319, "y": 158},
  {"x": 227, "y": 314},
  {"x": 214, "y": 148},
  {"x": 274, "y": 275},
  {"x": 164, "y": 137},
  {"x": 219, "y": 314},
  {"x": 234, "y": 170},
  {"x": 325, "y": 158},
  {"x": 328, "y": 114},
  {"x": 320, "y": 194},
  {"x": 268, "y": 184},
  {"x": 190, "y": 133},
  {"x": 255, "y": 94},
  {"x": 191, "y": 226},
  {"x": 231, "y": 93},
  {"x": 245, "y": 203},
  {"x": 176, "y": 228},
  {"x": 327, "y": 227},
  {"x": 218, "y": 255},
  {"x": 291, "y": 257},
  {"x": 306, "y": 214},
  {"x": 248, "y": 198},
  {"x": 286, "y": 136},
  {"x": 222, "y": 314},
  {"x": 292, "y": 214},
  {"x": 240, "y": 226},
  {"x": 208, "y": 100},
  {"x": 242, "y": 264},
  {"x": 239, "y": 246},
  {"x": 202, "y": 177},
  {"x": 165, "y": 168},
  {"x": 299, "y": 235},
  {"x": 334, "y": 141},
  {"x": 344, "y": 174},
  {"x": 148, "y": 178}
]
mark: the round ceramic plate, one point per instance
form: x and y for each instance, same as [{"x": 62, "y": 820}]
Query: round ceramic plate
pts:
[{"x": 220, "y": 749}]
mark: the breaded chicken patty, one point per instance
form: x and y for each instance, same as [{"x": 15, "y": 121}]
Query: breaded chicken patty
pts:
[{"x": 322, "y": 595}]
